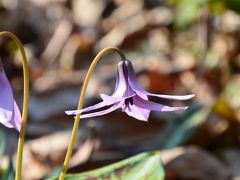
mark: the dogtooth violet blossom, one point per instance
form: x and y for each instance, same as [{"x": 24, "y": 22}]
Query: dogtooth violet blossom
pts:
[
  {"x": 130, "y": 97},
  {"x": 10, "y": 115}
]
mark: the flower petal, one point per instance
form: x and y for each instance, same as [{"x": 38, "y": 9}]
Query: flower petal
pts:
[
  {"x": 110, "y": 99},
  {"x": 172, "y": 97},
  {"x": 138, "y": 101},
  {"x": 137, "y": 112},
  {"x": 16, "y": 119},
  {"x": 6, "y": 94},
  {"x": 10, "y": 115},
  {"x": 87, "y": 109},
  {"x": 121, "y": 82},
  {"x": 99, "y": 113},
  {"x": 135, "y": 86},
  {"x": 107, "y": 101}
]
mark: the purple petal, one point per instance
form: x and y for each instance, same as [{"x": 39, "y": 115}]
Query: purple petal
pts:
[
  {"x": 16, "y": 119},
  {"x": 138, "y": 101},
  {"x": 107, "y": 101},
  {"x": 6, "y": 94},
  {"x": 100, "y": 113},
  {"x": 137, "y": 112},
  {"x": 87, "y": 109},
  {"x": 172, "y": 97},
  {"x": 103, "y": 112},
  {"x": 9, "y": 113},
  {"x": 5, "y": 118},
  {"x": 121, "y": 82},
  {"x": 135, "y": 86},
  {"x": 110, "y": 99}
]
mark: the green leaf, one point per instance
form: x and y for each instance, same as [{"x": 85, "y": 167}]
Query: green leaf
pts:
[
  {"x": 9, "y": 173},
  {"x": 186, "y": 125},
  {"x": 187, "y": 11},
  {"x": 233, "y": 4},
  {"x": 146, "y": 165},
  {"x": 2, "y": 142}
]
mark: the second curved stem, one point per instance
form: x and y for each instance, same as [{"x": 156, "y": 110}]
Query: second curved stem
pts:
[{"x": 80, "y": 105}]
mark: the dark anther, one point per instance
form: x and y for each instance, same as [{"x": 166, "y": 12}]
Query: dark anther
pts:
[{"x": 129, "y": 100}]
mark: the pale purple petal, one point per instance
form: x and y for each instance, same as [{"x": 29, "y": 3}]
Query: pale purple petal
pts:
[
  {"x": 111, "y": 100},
  {"x": 5, "y": 116},
  {"x": 107, "y": 101},
  {"x": 135, "y": 86},
  {"x": 87, "y": 109},
  {"x": 137, "y": 112},
  {"x": 9, "y": 113},
  {"x": 138, "y": 101},
  {"x": 6, "y": 94},
  {"x": 103, "y": 112},
  {"x": 172, "y": 97},
  {"x": 16, "y": 119},
  {"x": 121, "y": 82}
]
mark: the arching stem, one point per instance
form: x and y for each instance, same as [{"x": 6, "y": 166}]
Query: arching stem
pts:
[
  {"x": 80, "y": 104},
  {"x": 25, "y": 102}
]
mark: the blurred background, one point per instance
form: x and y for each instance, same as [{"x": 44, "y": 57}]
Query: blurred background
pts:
[{"x": 176, "y": 46}]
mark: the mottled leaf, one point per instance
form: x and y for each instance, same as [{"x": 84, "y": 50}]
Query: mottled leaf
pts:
[{"x": 146, "y": 165}]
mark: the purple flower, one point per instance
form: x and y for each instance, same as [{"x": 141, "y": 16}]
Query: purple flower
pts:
[
  {"x": 10, "y": 115},
  {"x": 129, "y": 96}
]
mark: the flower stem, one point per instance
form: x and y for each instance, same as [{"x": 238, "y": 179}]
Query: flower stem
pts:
[
  {"x": 80, "y": 104},
  {"x": 25, "y": 102}
]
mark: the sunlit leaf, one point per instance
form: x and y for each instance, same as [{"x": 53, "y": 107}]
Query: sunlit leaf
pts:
[{"x": 143, "y": 166}]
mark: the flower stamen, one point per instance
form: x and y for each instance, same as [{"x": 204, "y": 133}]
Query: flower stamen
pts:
[{"x": 128, "y": 100}]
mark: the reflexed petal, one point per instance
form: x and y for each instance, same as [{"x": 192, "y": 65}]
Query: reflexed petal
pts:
[
  {"x": 137, "y": 112},
  {"x": 107, "y": 101},
  {"x": 172, "y": 97},
  {"x": 110, "y": 99},
  {"x": 87, "y": 109},
  {"x": 103, "y": 112},
  {"x": 135, "y": 86},
  {"x": 154, "y": 106}
]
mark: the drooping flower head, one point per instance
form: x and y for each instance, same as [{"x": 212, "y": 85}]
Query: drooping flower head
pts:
[
  {"x": 10, "y": 115},
  {"x": 130, "y": 97}
]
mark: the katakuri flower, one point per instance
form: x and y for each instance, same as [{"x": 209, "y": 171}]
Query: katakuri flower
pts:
[
  {"x": 130, "y": 97},
  {"x": 10, "y": 115}
]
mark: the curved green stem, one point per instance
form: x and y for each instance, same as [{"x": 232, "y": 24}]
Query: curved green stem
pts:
[
  {"x": 25, "y": 102},
  {"x": 80, "y": 104}
]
